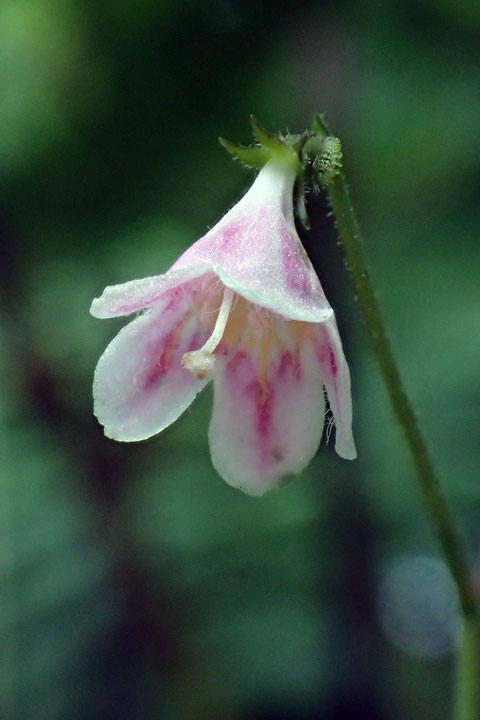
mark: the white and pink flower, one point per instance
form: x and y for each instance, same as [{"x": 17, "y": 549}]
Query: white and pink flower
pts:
[{"x": 242, "y": 306}]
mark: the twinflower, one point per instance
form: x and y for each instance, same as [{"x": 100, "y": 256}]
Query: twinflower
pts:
[{"x": 243, "y": 307}]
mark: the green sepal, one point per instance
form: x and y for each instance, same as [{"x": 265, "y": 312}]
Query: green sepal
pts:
[
  {"x": 265, "y": 138},
  {"x": 320, "y": 127},
  {"x": 254, "y": 157}
]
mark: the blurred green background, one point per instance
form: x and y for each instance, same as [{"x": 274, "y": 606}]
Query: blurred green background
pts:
[{"x": 134, "y": 583}]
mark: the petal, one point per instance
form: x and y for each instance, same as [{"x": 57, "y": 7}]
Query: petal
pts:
[
  {"x": 140, "y": 386},
  {"x": 137, "y": 295},
  {"x": 336, "y": 377},
  {"x": 255, "y": 250},
  {"x": 265, "y": 425}
]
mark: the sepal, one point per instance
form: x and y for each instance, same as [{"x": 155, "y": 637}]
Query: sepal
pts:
[
  {"x": 253, "y": 157},
  {"x": 265, "y": 138},
  {"x": 268, "y": 146},
  {"x": 320, "y": 127}
]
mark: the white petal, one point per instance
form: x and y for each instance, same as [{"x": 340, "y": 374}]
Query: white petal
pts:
[
  {"x": 336, "y": 377},
  {"x": 140, "y": 386},
  {"x": 137, "y": 295},
  {"x": 265, "y": 426},
  {"x": 255, "y": 250}
]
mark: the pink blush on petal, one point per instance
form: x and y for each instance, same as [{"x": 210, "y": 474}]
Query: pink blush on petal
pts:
[
  {"x": 237, "y": 359},
  {"x": 295, "y": 275},
  {"x": 333, "y": 363},
  {"x": 158, "y": 370},
  {"x": 286, "y": 362},
  {"x": 230, "y": 234},
  {"x": 290, "y": 366},
  {"x": 263, "y": 397}
]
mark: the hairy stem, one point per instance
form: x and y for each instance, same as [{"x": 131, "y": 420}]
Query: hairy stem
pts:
[
  {"x": 467, "y": 672},
  {"x": 441, "y": 518}
]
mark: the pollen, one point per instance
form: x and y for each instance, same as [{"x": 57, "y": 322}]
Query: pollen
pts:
[{"x": 199, "y": 363}]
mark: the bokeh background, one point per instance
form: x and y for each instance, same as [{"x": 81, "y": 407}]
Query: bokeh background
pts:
[{"x": 134, "y": 583}]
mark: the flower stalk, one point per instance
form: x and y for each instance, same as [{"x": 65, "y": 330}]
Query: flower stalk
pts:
[
  {"x": 467, "y": 662},
  {"x": 467, "y": 672}
]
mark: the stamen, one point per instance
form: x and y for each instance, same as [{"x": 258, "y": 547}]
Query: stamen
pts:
[{"x": 200, "y": 362}]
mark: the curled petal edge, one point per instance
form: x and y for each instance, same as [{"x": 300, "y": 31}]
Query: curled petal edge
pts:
[{"x": 137, "y": 295}]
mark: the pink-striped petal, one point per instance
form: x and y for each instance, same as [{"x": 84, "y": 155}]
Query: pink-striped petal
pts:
[
  {"x": 140, "y": 386},
  {"x": 266, "y": 423},
  {"x": 138, "y": 295},
  {"x": 255, "y": 250},
  {"x": 336, "y": 377}
]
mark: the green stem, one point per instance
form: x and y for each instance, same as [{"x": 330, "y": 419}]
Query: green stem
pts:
[
  {"x": 467, "y": 676},
  {"x": 467, "y": 671}
]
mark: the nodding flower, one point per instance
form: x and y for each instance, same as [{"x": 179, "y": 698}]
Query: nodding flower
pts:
[{"x": 243, "y": 307}]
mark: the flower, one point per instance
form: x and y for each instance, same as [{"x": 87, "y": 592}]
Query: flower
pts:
[{"x": 242, "y": 306}]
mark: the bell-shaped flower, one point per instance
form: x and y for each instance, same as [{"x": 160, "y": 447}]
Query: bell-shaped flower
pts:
[{"x": 242, "y": 306}]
